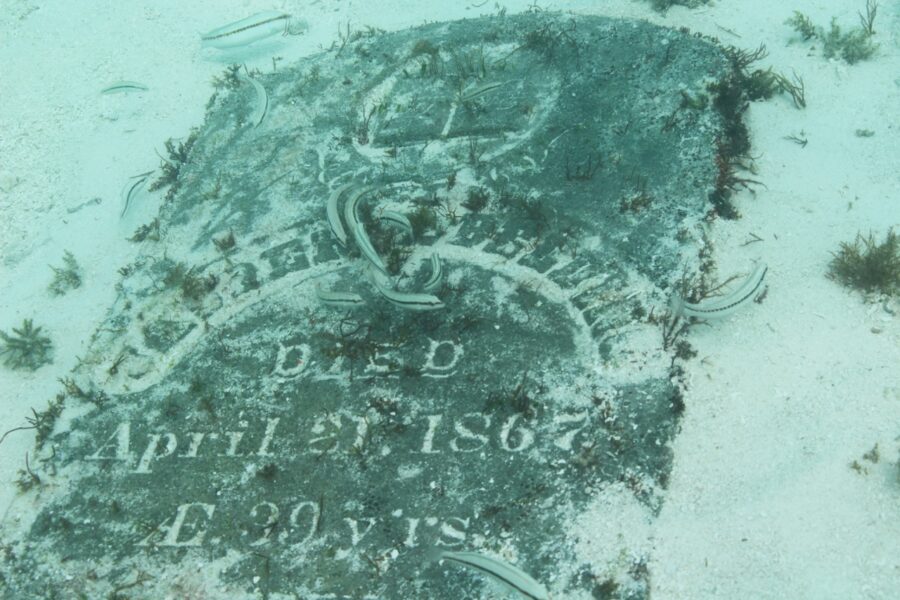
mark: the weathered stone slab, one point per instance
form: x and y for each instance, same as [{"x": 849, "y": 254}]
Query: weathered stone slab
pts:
[{"x": 255, "y": 443}]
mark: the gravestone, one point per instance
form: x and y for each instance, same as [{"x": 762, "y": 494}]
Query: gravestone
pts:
[{"x": 250, "y": 440}]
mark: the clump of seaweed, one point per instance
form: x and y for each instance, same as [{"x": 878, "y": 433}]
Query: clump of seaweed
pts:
[
  {"x": 731, "y": 96},
  {"x": 192, "y": 285},
  {"x": 226, "y": 243},
  {"x": 853, "y": 45},
  {"x": 171, "y": 166},
  {"x": 664, "y": 5},
  {"x": 517, "y": 400},
  {"x": 44, "y": 421},
  {"x": 229, "y": 79},
  {"x": 476, "y": 199},
  {"x": 637, "y": 200},
  {"x": 867, "y": 265},
  {"x": 67, "y": 277},
  {"x": 353, "y": 341},
  {"x": 422, "y": 219},
  {"x": 26, "y": 348},
  {"x": 802, "y": 25},
  {"x": 149, "y": 231},
  {"x": 546, "y": 39},
  {"x": 26, "y": 478},
  {"x": 734, "y": 143},
  {"x": 762, "y": 84}
]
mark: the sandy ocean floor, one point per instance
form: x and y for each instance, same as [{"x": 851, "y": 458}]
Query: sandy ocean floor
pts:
[{"x": 783, "y": 397}]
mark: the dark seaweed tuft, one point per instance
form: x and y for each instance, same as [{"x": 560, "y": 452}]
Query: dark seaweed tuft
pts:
[
  {"x": 867, "y": 265},
  {"x": 26, "y": 348}
]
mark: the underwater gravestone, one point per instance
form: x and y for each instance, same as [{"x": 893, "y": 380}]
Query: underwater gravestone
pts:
[{"x": 270, "y": 423}]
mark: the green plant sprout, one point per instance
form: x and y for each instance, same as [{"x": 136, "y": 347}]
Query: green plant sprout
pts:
[
  {"x": 26, "y": 348},
  {"x": 67, "y": 277},
  {"x": 852, "y": 46},
  {"x": 867, "y": 265}
]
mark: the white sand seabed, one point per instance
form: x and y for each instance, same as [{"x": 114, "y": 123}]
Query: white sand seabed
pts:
[{"x": 783, "y": 396}]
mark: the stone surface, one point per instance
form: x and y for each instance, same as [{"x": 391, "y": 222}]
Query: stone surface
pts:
[{"x": 251, "y": 442}]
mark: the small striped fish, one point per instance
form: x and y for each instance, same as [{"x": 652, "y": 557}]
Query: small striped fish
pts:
[
  {"x": 133, "y": 188},
  {"x": 124, "y": 86},
  {"x": 397, "y": 219},
  {"x": 510, "y": 575},
  {"x": 437, "y": 274},
  {"x": 351, "y": 216},
  {"x": 332, "y": 212},
  {"x": 719, "y": 307},
  {"x": 479, "y": 90},
  {"x": 365, "y": 246},
  {"x": 262, "y": 101},
  {"x": 338, "y": 299},
  {"x": 405, "y": 300},
  {"x": 246, "y": 31}
]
